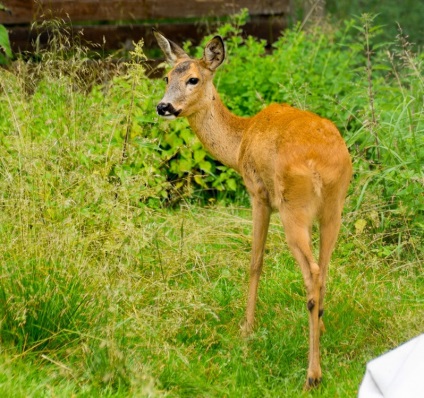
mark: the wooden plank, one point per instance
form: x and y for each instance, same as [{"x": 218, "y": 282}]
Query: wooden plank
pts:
[
  {"x": 26, "y": 11},
  {"x": 20, "y": 11}
]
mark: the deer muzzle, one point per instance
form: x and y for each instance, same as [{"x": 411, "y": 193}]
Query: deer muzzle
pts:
[{"x": 167, "y": 111}]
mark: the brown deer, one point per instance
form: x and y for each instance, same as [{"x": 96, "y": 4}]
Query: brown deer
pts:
[{"x": 292, "y": 161}]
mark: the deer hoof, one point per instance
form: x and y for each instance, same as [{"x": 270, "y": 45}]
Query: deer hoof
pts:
[
  {"x": 312, "y": 382},
  {"x": 246, "y": 329}
]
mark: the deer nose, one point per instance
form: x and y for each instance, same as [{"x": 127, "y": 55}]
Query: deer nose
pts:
[{"x": 163, "y": 108}]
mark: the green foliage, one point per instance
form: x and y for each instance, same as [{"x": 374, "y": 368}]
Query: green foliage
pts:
[
  {"x": 5, "y": 48},
  {"x": 389, "y": 13}
]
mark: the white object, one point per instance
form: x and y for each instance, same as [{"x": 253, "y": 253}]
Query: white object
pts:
[{"x": 396, "y": 374}]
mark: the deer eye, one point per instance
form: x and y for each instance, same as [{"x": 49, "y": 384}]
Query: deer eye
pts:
[
  {"x": 193, "y": 81},
  {"x": 165, "y": 79}
]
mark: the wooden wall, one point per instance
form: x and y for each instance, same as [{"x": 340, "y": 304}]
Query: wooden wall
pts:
[{"x": 115, "y": 23}]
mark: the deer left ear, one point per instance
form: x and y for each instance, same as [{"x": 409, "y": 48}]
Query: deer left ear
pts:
[{"x": 214, "y": 53}]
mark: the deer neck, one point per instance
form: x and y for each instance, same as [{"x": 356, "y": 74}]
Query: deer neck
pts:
[{"x": 219, "y": 130}]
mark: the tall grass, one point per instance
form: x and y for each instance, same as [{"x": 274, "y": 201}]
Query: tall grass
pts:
[{"x": 104, "y": 291}]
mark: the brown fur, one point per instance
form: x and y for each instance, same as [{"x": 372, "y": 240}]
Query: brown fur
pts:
[{"x": 292, "y": 161}]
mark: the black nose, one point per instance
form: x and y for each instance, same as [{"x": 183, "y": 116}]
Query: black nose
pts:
[{"x": 164, "y": 109}]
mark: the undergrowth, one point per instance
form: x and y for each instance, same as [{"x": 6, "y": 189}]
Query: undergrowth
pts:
[{"x": 116, "y": 282}]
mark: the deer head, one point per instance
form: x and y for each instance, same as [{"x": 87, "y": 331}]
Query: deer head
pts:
[{"x": 189, "y": 82}]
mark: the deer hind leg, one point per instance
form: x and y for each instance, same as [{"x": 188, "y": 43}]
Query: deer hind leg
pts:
[
  {"x": 261, "y": 216},
  {"x": 330, "y": 222},
  {"x": 297, "y": 225}
]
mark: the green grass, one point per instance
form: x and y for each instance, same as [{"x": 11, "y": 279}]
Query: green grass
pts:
[
  {"x": 106, "y": 292},
  {"x": 161, "y": 316}
]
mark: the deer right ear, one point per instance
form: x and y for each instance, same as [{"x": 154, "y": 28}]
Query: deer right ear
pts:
[{"x": 172, "y": 51}]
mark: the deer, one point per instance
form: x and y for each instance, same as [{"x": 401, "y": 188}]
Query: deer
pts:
[{"x": 292, "y": 161}]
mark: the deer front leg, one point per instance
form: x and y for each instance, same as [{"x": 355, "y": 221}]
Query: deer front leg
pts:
[{"x": 261, "y": 217}]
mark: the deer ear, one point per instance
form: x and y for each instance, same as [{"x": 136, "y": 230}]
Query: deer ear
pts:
[
  {"x": 172, "y": 51},
  {"x": 214, "y": 53}
]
